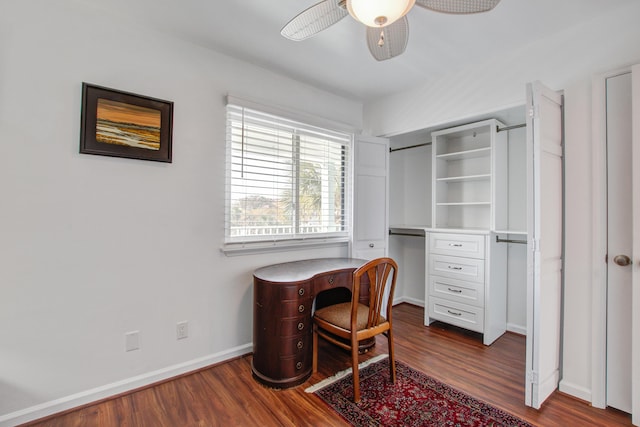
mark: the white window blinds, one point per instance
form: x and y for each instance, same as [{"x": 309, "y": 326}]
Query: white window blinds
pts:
[{"x": 286, "y": 180}]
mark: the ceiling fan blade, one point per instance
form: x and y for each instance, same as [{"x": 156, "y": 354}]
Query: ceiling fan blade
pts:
[
  {"x": 458, "y": 7},
  {"x": 386, "y": 42},
  {"x": 315, "y": 19}
]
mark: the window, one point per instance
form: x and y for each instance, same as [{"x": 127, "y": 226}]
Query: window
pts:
[{"x": 286, "y": 181}]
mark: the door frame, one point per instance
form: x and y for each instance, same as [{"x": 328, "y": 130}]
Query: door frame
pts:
[{"x": 599, "y": 211}]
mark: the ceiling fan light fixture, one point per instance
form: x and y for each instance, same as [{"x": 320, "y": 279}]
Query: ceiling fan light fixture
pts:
[{"x": 378, "y": 13}]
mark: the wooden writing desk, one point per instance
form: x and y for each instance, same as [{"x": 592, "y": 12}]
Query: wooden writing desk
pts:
[{"x": 283, "y": 296}]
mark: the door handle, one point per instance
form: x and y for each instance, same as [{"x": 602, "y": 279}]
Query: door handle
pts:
[{"x": 622, "y": 260}]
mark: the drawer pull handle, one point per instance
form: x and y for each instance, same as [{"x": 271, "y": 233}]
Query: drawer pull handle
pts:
[
  {"x": 456, "y": 245},
  {"x": 301, "y": 308},
  {"x": 454, "y": 313},
  {"x": 300, "y": 345},
  {"x": 450, "y": 267},
  {"x": 457, "y": 291},
  {"x": 301, "y": 291},
  {"x": 331, "y": 280},
  {"x": 300, "y": 326},
  {"x": 299, "y": 365},
  {"x": 371, "y": 245}
]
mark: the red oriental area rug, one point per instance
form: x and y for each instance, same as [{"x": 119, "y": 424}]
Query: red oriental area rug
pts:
[{"x": 414, "y": 400}]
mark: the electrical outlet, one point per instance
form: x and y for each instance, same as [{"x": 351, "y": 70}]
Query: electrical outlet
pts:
[
  {"x": 182, "y": 330},
  {"x": 132, "y": 341}
]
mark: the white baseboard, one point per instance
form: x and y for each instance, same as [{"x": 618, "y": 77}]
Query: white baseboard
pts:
[
  {"x": 75, "y": 400},
  {"x": 518, "y": 329},
  {"x": 412, "y": 301},
  {"x": 575, "y": 391}
]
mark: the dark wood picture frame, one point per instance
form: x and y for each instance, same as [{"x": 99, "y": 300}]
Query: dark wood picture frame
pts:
[{"x": 122, "y": 124}]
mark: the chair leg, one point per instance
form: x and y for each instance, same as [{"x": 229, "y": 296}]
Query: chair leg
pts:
[
  {"x": 392, "y": 359},
  {"x": 314, "y": 362},
  {"x": 355, "y": 371}
]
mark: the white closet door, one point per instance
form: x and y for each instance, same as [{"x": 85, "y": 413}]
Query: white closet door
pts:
[
  {"x": 371, "y": 195},
  {"x": 635, "y": 321},
  {"x": 619, "y": 240},
  {"x": 545, "y": 238}
]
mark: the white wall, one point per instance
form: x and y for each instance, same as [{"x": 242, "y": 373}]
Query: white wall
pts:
[
  {"x": 564, "y": 62},
  {"x": 92, "y": 247}
]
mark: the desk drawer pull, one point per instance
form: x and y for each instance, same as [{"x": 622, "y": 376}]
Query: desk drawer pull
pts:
[
  {"x": 454, "y": 313},
  {"x": 299, "y": 366},
  {"x": 301, "y": 291},
  {"x": 454, "y": 268},
  {"x": 455, "y": 245},
  {"x": 300, "y": 326},
  {"x": 457, "y": 291},
  {"x": 300, "y": 308},
  {"x": 300, "y": 345},
  {"x": 331, "y": 279}
]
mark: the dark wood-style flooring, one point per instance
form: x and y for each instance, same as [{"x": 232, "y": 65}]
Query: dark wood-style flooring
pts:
[{"x": 227, "y": 395}]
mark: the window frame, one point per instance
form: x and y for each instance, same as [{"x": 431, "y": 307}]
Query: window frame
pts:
[{"x": 252, "y": 244}]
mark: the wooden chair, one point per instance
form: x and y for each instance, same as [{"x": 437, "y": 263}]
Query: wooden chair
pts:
[{"x": 347, "y": 324}]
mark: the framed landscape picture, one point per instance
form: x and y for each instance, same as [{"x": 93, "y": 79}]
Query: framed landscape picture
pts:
[{"x": 121, "y": 124}]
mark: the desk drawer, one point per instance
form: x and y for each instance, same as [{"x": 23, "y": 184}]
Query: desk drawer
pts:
[
  {"x": 295, "y": 346},
  {"x": 471, "y": 293},
  {"x": 292, "y": 366},
  {"x": 466, "y": 245},
  {"x": 295, "y": 326},
  {"x": 467, "y": 269},
  {"x": 298, "y": 308},
  {"x": 462, "y": 315},
  {"x": 294, "y": 292},
  {"x": 331, "y": 280}
]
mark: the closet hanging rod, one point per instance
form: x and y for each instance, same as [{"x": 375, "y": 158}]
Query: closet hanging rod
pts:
[
  {"x": 499, "y": 240},
  {"x": 391, "y": 150},
  {"x": 499, "y": 129}
]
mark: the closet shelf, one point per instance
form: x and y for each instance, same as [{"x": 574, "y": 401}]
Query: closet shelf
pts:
[
  {"x": 464, "y": 204},
  {"x": 466, "y": 154},
  {"x": 465, "y": 178}
]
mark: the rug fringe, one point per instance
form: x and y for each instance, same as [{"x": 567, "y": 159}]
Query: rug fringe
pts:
[{"x": 330, "y": 380}]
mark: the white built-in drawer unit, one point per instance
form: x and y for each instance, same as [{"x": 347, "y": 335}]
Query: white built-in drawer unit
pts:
[
  {"x": 466, "y": 275},
  {"x": 458, "y": 284}
]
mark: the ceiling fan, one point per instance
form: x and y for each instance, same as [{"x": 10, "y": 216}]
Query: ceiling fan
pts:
[{"x": 387, "y": 25}]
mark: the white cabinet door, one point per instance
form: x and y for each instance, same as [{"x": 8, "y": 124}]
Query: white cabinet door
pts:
[
  {"x": 371, "y": 195},
  {"x": 545, "y": 241}
]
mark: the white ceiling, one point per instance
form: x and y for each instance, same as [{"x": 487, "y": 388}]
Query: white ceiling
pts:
[{"x": 338, "y": 59}]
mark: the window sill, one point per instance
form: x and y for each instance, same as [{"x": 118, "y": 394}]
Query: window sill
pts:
[{"x": 249, "y": 248}]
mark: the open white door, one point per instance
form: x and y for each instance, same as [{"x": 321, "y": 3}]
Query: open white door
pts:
[
  {"x": 635, "y": 298},
  {"x": 371, "y": 195},
  {"x": 544, "y": 240}
]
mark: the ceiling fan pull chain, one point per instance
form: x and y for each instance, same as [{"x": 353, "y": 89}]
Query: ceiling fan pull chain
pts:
[{"x": 381, "y": 41}]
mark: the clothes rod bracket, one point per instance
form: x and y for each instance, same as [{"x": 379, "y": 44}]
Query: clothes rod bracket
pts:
[
  {"x": 499, "y": 240},
  {"x": 499, "y": 129}
]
